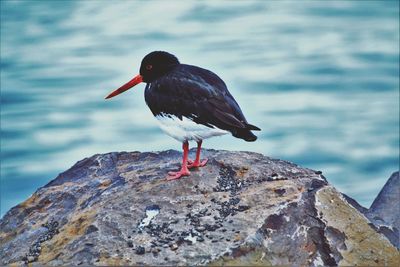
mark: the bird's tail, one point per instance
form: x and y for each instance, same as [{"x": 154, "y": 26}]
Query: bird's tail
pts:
[
  {"x": 252, "y": 127},
  {"x": 246, "y": 134}
]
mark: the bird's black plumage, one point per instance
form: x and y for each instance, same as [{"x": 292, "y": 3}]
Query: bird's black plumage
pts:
[{"x": 198, "y": 94}]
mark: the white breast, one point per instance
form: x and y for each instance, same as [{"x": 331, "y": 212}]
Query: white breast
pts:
[{"x": 186, "y": 129}]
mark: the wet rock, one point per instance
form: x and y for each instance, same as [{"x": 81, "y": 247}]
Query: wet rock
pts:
[{"x": 242, "y": 208}]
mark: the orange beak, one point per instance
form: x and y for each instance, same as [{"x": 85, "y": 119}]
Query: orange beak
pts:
[{"x": 138, "y": 79}]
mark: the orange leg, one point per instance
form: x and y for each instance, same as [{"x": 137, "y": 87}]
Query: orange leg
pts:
[
  {"x": 197, "y": 163},
  {"x": 184, "y": 169}
]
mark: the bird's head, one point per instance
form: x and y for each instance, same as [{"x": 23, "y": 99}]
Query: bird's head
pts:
[{"x": 154, "y": 65}]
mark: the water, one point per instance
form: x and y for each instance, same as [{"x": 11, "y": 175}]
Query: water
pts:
[{"x": 320, "y": 80}]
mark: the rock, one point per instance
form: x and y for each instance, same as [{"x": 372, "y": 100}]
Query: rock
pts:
[
  {"x": 174, "y": 247},
  {"x": 355, "y": 204},
  {"x": 30, "y": 258},
  {"x": 384, "y": 212},
  {"x": 140, "y": 250},
  {"x": 241, "y": 209}
]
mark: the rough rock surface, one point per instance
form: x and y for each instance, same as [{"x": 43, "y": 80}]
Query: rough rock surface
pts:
[
  {"x": 241, "y": 209},
  {"x": 385, "y": 210}
]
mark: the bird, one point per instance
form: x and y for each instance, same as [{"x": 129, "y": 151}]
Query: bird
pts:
[{"x": 190, "y": 104}]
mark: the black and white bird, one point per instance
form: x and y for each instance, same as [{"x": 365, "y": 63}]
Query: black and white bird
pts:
[{"x": 190, "y": 103}]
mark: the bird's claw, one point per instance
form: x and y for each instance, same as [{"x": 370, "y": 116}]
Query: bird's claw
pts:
[
  {"x": 177, "y": 175},
  {"x": 197, "y": 164}
]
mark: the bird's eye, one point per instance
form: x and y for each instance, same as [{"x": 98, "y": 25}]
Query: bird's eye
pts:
[{"x": 149, "y": 67}]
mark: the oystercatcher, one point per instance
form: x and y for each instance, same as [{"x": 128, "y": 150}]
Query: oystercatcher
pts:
[{"x": 190, "y": 103}]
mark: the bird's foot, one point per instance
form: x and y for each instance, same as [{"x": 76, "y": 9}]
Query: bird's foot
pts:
[
  {"x": 197, "y": 163},
  {"x": 177, "y": 175}
]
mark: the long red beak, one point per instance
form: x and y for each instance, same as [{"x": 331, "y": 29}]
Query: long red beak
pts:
[{"x": 138, "y": 79}]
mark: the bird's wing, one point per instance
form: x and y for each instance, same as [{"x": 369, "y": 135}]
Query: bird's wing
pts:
[{"x": 202, "y": 96}]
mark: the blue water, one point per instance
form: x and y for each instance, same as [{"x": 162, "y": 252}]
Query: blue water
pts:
[{"x": 319, "y": 78}]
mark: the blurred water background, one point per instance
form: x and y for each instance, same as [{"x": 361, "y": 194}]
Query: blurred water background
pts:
[{"x": 319, "y": 78}]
